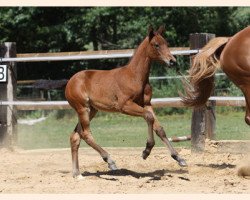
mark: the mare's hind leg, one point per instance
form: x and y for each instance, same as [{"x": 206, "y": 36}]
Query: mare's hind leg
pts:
[
  {"x": 161, "y": 133},
  {"x": 246, "y": 91},
  {"x": 85, "y": 134}
]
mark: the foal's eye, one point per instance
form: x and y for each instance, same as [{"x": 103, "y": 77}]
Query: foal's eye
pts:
[{"x": 157, "y": 46}]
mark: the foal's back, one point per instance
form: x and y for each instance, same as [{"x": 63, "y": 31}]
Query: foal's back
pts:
[{"x": 98, "y": 88}]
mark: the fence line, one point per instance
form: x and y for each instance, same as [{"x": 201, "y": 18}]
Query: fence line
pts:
[
  {"x": 177, "y": 77},
  {"x": 26, "y": 82},
  {"x": 87, "y": 56},
  {"x": 156, "y": 102},
  {"x": 198, "y": 123}
]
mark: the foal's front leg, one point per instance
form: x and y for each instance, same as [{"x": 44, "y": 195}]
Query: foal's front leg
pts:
[
  {"x": 161, "y": 133},
  {"x": 150, "y": 141},
  {"x": 134, "y": 109}
]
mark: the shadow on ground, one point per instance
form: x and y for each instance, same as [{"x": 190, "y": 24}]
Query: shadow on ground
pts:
[
  {"x": 218, "y": 166},
  {"x": 155, "y": 175}
]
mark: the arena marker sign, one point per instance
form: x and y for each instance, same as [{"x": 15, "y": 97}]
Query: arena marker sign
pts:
[{"x": 3, "y": 73}]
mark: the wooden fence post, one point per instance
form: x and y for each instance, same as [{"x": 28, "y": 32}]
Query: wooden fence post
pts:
[
  {"x": 8, "y": 119},
  {"x": 203, "y": 119},
  {"x": 210, "y": 119}
]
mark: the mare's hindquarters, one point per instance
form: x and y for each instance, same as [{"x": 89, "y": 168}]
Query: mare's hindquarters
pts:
[{"x": 235, "y": 61}]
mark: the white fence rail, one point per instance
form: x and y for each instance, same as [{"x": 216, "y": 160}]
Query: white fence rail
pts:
[
  {"x": 157, "y": 102},
  {"x": 104, "y": 55},
  {"x": 177, "y": 77},
  {"x": 48, "y": 105}
]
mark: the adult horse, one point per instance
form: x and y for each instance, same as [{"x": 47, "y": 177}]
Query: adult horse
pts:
[
  {"x": 232, "y": 55},
  {"x": 125, "y": 90}
]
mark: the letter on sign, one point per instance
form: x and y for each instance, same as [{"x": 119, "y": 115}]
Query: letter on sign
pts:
[{"x": 3, "y": 73}]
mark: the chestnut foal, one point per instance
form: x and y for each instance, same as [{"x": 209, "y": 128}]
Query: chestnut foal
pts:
[{"x": 125, "y": 90}]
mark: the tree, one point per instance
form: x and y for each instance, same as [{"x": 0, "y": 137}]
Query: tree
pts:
[{"x": 56, "y": 29}]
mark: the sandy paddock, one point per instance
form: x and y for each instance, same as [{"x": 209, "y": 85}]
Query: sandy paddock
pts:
[{"x": 49, "y": 171}]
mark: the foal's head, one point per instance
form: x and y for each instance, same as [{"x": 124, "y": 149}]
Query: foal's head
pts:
[{"x": 158, "y": 47}]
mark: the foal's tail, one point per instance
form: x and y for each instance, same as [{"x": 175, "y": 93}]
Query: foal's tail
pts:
[{"x": 201, "y": 74}]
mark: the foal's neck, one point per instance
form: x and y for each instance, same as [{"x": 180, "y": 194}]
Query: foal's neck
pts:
[{"x": 140, "y": 63}]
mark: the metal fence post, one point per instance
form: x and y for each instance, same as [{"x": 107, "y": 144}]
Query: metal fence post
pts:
[
  {"x": 8, "y": 93},
  {"x": 203, "y": 119}
]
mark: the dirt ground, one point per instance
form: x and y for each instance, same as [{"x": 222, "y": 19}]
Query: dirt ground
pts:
[{"x": 49, "y": 171}]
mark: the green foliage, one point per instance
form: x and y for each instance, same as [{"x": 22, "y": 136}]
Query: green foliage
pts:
[
  {"x": 240, "y": 18},
  {"x": 54, "y": 29},
  {"x": 34, "y": 114},
  {"x": 58, "y": 29},
  {"x": 225, "y": 87},
  {"x": 64, "y": 114}
]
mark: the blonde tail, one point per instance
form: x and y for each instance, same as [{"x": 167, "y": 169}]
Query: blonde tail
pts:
[{"x": 201, "y": 74}]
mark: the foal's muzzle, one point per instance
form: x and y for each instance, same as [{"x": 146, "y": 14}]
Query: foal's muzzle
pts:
[{"x": 172, "y": 63}]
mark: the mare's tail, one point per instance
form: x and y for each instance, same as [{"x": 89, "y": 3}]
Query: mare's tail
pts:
[{"x": 201, "y": 74}]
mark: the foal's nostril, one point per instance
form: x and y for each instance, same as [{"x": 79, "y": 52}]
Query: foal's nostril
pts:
[{"x": 172, "y": 63}]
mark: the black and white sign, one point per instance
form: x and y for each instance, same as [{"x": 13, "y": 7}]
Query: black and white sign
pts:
[{"x": 3, "y": 73}]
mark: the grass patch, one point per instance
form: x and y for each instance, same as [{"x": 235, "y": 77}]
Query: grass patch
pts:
[
  {"x": 232, "y": 126},
  {"x": 116, "y": 130}
]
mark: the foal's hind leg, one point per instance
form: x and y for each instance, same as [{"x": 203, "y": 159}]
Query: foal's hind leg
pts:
[
  {"x": 161, "y": 133},
  {"x": 75, "y": 143},
  {"x": 84, "y": 118},
  {"x": 75, "y": 140}
]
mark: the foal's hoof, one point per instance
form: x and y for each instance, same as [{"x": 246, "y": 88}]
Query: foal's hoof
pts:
[
  {"x": 182, "y": 162},
  {"x": 79, "y": 177},
  {"x": 145, "y": 154},
  {"x": 113, "y": 167}
]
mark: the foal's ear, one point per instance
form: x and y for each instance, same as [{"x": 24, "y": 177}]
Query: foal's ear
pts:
[
  {"x": 161, "y": 30},
  {"x": 150, "y": 32}
]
